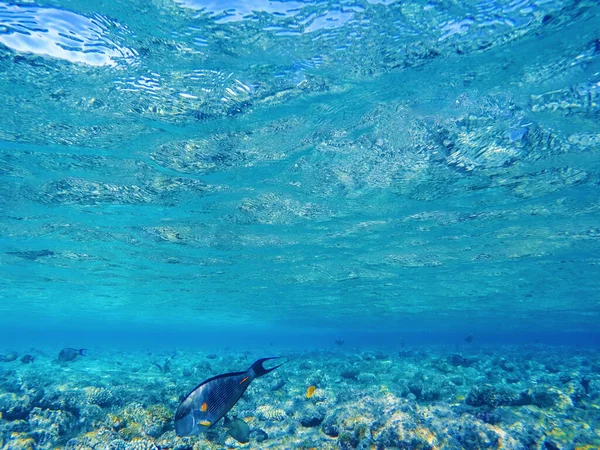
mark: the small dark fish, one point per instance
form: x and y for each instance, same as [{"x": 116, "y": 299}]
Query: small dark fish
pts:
[
  {"x": 278, "y": 384},
  {"x": 69, "y": 354},
  {"x": 339, "y": 342},
  {"x": 469, "y": 338},
  {"x": 27, "y": 359},
  {"x": 213, "y": 398},
  {"x": 164, "y": 368},
  {"x": 8, "y": 357},
  {"x": 238, "y": 429},
  {"x": 32, "y": 255}
]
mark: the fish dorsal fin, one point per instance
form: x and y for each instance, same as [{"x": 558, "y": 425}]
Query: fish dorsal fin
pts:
[{"x": 183, "y": 411}]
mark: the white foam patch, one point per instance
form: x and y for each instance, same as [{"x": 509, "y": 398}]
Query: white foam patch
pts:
[
  {"x": 238, "y": 10},
  {"x": 59, "y": 34}
]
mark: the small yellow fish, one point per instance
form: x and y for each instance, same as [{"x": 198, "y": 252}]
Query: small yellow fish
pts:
[{"x": 310, "y": 391}]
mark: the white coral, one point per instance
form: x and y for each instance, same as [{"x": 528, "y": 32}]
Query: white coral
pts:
[{"x": 267, "y": 412}]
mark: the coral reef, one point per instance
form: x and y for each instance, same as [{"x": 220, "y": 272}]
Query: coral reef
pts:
[
  {"x": 420, "y": 398},
  {"x": 99, "y": 396}
]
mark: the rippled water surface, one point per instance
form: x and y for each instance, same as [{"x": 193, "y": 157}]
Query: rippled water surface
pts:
[{"x": 369, "y": 164}]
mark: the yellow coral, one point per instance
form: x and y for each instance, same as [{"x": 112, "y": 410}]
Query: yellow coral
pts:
[
  {"x": 564, "y": 400},
  {"x": 22, "y": 441},
  {"x": 427, "y": 435},
  {"x": 115, "y": 421},
  {"x": 250, "y": 420}
]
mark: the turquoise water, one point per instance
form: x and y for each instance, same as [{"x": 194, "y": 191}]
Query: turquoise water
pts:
[
  {"x": 273, "y": 176},
  {"x": 383, "y": 165}
]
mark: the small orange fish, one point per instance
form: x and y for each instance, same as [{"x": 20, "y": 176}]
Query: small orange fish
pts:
[{"x": 310, "y": 391}]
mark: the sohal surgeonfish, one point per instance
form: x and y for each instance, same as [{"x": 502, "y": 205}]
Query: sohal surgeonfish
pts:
[
  {"x": 213, "y": 398},
  {"x": 8, "y": 357},
  {"x": 27, "y": 359},
  {"x": 69, "y": 354}
]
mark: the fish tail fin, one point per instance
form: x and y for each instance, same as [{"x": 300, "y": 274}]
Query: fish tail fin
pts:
[
  {"x": 82, "y": 351},
  {"x": 257, "y": 369}
]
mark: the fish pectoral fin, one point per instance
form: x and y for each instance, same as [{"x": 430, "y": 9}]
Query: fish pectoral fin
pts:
[{"x": 205, "y": 423}]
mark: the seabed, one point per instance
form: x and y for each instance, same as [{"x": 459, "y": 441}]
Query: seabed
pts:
[{"x": 422, "y": 397}]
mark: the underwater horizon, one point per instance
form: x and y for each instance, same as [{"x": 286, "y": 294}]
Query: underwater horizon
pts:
[{"x": 401, "y": 195}]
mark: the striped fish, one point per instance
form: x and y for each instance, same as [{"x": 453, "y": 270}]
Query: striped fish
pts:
[{"x": 213, "y": 398}]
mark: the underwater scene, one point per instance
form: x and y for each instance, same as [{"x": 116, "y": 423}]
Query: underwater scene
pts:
[{"x": 303, "y": 224}]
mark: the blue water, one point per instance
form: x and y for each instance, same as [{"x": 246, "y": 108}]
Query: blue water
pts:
[
  {"x": 199, "y": 174},
  {"x": 300, "y": 165}
]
